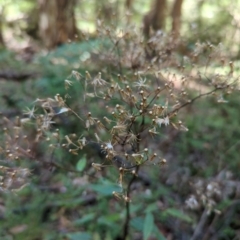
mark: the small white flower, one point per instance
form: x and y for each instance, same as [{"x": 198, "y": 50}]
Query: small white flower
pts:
[
  {"x": 30, "y": 112},
  {"x": 46, "y": 122},
  {"x": 222, "y": 100},
  {"x": 192, "y": 202},
  {"x": 109, "y": 146},
  {"x": 68, "y": 83},
  {"x": 166, "y": 120},
  {"x": 76, "y": 75},
  {"x": 161, "y": 121},
  {"x": 98, "y": 81},
  {"x": 63, "y": 110},
  {"x": 141, "y": 83}
]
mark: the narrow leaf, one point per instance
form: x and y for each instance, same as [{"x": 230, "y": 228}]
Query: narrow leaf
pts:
[
  {"x": 158, "y": 234},
  {"x": 79, "y": 235},
  {"x": 148, "y": 226},
  {"x": 177, "y": 213},
  {"x": 81, "y": 164}
]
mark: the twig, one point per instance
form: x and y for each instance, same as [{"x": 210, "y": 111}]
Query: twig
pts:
[
  {"x": 200, "y": 226},
  {"x": 128, "y": 217},
  {"x": 227, "y": 216},
  {"x": 217, "y": 88}
]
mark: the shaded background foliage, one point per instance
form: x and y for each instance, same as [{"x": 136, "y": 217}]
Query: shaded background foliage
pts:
[{"x": 42, "y": 42}]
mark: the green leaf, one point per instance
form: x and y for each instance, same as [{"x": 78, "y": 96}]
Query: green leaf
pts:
[
  {"x": 81, "y": 164},
  {"x": 79, "y": 235},
  {"x": 106, "y": 189},
  {"x": 136, "y": 207},
  {"x": 151, "y": 207},
  {"x": 85, "y": 219},
  {"x": 158, "y": 234},
  {"x": 108, "y": 221},
  {"x": 177, "y": 213},
  {"x": 137, "y": 223},
  {"x": 148, "y": 225}
]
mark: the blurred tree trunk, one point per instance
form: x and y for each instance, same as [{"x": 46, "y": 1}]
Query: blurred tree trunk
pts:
[
  {"x": 128, "y": 9},
  {"x": 176, "y": 17},
  {"x": 33, "y": 23},
  {"x": 128, "y": 4},
  {"x": 56, "y": 21},
  {"x": 108, "y": 11},
  {"x": 1, "y": 36},
  {"x": 104, "y": 11},
  {"x": 199, "y": 16},
  {"x": 1, "y": 25},
  {"x": 155, "y": 18}
]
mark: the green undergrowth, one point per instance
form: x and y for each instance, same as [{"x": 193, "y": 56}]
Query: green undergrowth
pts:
[
  {"x": 58, "y": 65},
  {"x": 213, "y": 138},
  {"x": 54, "y": 204}
]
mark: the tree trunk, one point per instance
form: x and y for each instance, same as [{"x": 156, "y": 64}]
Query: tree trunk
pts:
[
  {"x": 155, "y": 19},
  {"x": 128, "y": 4},
  {"x": 104, "y": 11},
  {"x": 56, "y": 22},
  {"x": 176, "y": 17},
  {"x": 1, "y": 25}
]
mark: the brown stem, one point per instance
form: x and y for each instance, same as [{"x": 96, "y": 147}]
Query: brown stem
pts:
[
  {"x": 128, "y": 217},
  {"x": 194, "y": 99},
  {"x": 176, "y": 17},
  {"x": 155, "y": 18},
  {"x": 199, "y": 228}
]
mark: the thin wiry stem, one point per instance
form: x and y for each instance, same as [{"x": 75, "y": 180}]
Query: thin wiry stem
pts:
[
  {"x": 193, "y": 100},
  {"x": 128, "y": 216},
  {"x": 76, "y": 114}
]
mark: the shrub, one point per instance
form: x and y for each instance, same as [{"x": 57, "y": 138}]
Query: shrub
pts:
[{"x": 120, "y": 114}]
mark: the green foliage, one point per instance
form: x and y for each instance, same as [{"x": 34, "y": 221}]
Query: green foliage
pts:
[
  {"x": 105, "y": 188},
  {"x": 81, "y": 164},
  {"x": 148, "y": 225},
  {"x": 79, "y": 235},
  {"x": 171, "y": 212},
  {"x": 217, "y": 139},
  {"x": 75, "y": 187}
]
